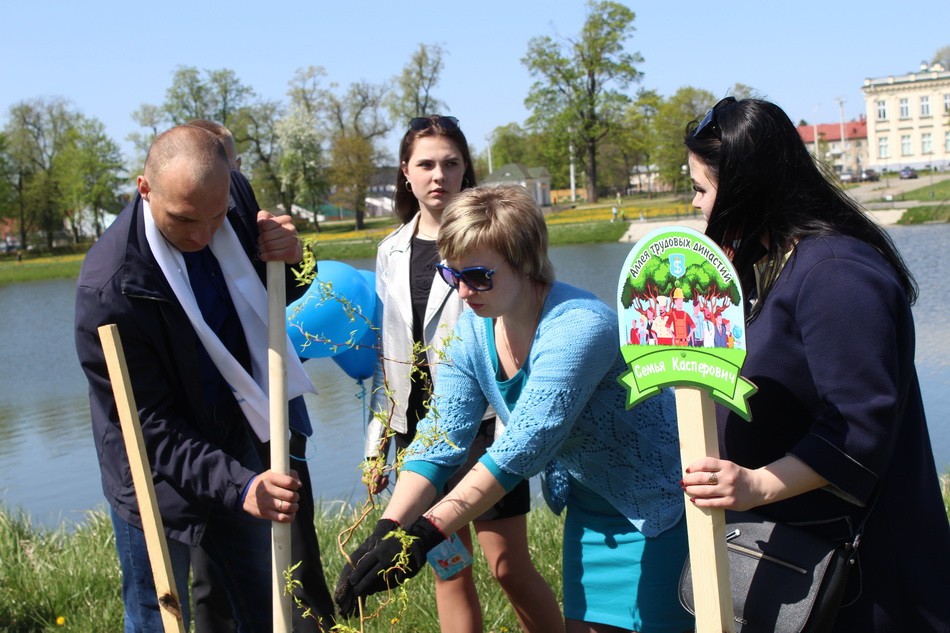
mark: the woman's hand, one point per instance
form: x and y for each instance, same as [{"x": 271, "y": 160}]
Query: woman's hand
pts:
[
  {"x": 718, "y": 483},
  {"x": 344, "y": 597},
  {"x": 390, "y": 562}
]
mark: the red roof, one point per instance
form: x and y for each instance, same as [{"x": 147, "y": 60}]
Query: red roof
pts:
[
  {"x": 7, "y": 227},
  {"x": 832, "y": 131}
]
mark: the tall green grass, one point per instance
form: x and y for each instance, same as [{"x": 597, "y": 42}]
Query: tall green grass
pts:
[
  {"x": 66, "y": 575},
  {"x": 72, "y": 573}
]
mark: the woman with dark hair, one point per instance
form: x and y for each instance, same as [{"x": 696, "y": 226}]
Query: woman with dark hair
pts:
[
  {"x": 418, "y": 319},
  {"x": 838, "y": 440}
]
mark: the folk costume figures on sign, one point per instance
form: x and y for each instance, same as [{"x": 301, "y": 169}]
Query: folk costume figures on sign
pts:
[
  {"x": 838, "y": 437},
  {"x": 419, "y": 316}
]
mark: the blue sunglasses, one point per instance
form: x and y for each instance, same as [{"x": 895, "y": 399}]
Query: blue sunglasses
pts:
[{"x": 478, "y": 278}]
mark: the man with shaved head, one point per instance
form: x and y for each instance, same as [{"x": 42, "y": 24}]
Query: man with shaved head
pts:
[
  {"x": 212, "y": 610},
  {"x": 224, "y": 135},
  {"x": 181, "y": 273}
]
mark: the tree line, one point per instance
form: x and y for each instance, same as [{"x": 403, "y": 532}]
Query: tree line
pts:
[{"x": 323, "y": 143}]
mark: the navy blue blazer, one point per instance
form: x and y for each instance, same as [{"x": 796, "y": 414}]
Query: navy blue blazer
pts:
[
  {"x": 832, "y": 353},
  {"x": 190, "y": 452}
]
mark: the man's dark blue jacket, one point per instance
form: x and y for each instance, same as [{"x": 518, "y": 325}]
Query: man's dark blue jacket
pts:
[{"x": 189, "y": 446}]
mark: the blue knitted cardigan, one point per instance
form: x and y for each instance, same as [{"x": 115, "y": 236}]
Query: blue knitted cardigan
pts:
[{"x": 570, "y": 417}]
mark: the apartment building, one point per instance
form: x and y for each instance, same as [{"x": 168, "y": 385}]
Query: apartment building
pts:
[
  {"x": 842, "y": 145},
  {"x": 909, "y": 119}
]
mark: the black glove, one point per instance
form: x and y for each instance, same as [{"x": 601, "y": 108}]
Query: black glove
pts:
[
  {"x": 380, "y": 568},
  {"x": 344, "y": 597}
]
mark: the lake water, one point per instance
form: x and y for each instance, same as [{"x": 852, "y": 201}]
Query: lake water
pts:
[{"x": 48, "y": 466}]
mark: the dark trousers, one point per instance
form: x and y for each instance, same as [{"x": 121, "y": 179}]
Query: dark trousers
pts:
[
  {"x": 212, "y": 609},
  {"x": 240, "y": 545}
]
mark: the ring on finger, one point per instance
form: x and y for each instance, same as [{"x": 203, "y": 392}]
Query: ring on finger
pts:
[
  {"x": 713, "y": 479},
  {"x": 280, "y": 505}
]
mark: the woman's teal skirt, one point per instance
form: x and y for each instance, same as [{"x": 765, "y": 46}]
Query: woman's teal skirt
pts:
[{"x": 614, "y": 575}]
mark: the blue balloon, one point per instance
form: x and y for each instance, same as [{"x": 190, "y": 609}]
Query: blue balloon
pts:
[
  {"x": 329, "y": 316},
  {"x": 359, "y": 362}
]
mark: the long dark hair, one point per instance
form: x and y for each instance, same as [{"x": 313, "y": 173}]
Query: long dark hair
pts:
[
  {"x": 405, "y": 204},
  {"x": 769, "y": 186}
]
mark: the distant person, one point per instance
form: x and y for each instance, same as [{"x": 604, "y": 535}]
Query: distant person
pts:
[
  {"x": 180, "y": 272},
  {"x": 420, "y": 311},
  {"x": 838, "y": 437},
  {"x": 212, "y": 609}
]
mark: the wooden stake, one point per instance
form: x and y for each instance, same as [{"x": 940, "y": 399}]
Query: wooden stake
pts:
[
  {"x": 169, "y": 605},
  {"x": 712, "y": 591},
  {"x": 279, "y": 434}
]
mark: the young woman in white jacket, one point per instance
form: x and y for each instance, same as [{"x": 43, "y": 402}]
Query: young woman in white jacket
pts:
[{"x": 419, "y": 316}]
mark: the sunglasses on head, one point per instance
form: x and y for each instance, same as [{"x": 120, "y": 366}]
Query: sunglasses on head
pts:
[
  {"x": 420, "y": 123},
  {"x": 477, "y": 278},
  {"x": 709, "y": 123}
]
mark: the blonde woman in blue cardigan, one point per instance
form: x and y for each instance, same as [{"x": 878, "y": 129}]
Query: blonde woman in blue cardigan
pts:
[
  {"x": 545, "y": 356},
  {"x": 419, "y": 310}
]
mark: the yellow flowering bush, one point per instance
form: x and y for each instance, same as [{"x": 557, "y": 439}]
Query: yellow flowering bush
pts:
[
  {"x": 366, "y": 235},
  {"x": 629, "y": 212}
]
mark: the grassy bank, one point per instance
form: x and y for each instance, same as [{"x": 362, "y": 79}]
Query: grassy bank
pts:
[
  {"x": 40, "y": 268},
  {"x": 68, "y": 579},
  {"x": 928, "y": 214},
  {"x": 940, "y": 189},
  {"x": 931, "y": 212}
]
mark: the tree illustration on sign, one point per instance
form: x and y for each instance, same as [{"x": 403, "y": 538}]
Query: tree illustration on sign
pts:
[{"x": 700, "y": 281}]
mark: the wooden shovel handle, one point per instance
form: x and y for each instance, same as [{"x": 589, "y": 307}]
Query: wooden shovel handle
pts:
[{"x": 279, "y": 434}]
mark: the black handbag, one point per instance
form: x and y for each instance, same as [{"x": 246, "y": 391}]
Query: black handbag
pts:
[{"x": 784, "y": 579}]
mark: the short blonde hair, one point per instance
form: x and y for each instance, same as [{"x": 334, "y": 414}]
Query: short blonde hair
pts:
[{"x": 503, "y": 218}]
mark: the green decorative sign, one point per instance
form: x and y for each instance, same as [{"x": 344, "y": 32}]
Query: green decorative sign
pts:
[{"x": 680, "y": 309}]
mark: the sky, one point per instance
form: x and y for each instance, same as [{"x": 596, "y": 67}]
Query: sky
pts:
[{"x": 108, "y": 57}]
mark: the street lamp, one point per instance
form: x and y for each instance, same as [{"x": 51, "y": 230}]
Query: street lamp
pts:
[{"x": 844, "y": 155}]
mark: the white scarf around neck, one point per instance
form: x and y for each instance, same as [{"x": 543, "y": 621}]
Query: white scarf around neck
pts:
[{"x": 250, "y": 301}]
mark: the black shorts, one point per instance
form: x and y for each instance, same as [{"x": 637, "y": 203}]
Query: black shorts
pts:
[{"x": 515, "y": 503}]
